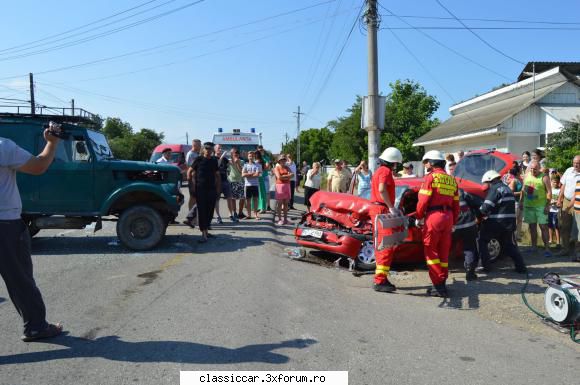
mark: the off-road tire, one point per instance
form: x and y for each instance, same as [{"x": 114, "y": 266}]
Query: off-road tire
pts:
[{"x": 140, "y": 228}]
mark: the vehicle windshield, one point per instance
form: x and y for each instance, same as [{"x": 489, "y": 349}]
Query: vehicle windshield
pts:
[
  {"x": 472, "y": 167},
  {"x": 100, "y": 146},
  {"x": 175, "y": 157},
  {"x": 399, "y": 190}
]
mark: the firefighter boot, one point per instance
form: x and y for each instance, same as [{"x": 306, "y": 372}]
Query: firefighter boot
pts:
[
  {"x": 385, "y": 287},
  {"x": 470, "y": 275},
  {"x": 439, "y": 290}
]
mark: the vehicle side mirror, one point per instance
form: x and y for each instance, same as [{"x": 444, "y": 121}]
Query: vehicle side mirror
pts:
[{"x": 81, "y": 148}]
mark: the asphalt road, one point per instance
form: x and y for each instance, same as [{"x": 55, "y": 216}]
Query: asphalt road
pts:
[{"x": 237, "y": 303}]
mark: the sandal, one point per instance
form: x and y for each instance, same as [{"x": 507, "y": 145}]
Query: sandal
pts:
[{"x": 52, "y": 330}]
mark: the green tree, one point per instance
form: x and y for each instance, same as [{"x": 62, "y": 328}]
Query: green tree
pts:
[
  {"x": 314, "y": 145},
  {"x": 563, "y": 146},
  {"x": 143, "y": 143},
  {"x": 408, "y": 113},
  {"x": 127, "y": 144},
  {"x": 349, "y": 141},
  {"x": 116, "y": 128}
]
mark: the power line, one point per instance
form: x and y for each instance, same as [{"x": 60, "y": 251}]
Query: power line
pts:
[
  {"x": 428, "y": 72},
  {"x": 176, "y": 42},
  {"x": 77, "y": 28},
  {"x": 107, "y": 33},
  {"x": 186, "y": 111},
  {"x": 331, "y": 70},
  {"x": 488, "y": 20},
  {"x": 479, "y": 37},
  {"x": 449, "y": 28},
  {"x": 444, "y": 45},
  {"x": 314, "y": 67}
]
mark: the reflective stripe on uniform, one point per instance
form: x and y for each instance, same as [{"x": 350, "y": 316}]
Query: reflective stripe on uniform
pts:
[
  {"x": 502, "y": 216},
  {"x": 425, "y": 192},
  {"x": 444, "y": 264},
  {"x": 382, "y": 270},
  {"x": 506, "y": 199},
  {"x": 462, "y": 203},
  {"x": 464, "y": 225},
  {"x": 489, "y": 203},
  {"x": 433, "y": 261}
]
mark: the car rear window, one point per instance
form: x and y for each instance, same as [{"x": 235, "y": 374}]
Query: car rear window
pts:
[{"x": 472, "y": 167}]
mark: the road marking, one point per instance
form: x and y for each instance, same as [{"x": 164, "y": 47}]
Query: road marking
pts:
[
  {"x": 116, "y": 277},
  {"x": 173, "y": 261}
]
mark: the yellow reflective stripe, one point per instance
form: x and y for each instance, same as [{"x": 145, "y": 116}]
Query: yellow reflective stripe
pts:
[
  {"x": 425, "y": 192},
  {"x": 449, "y": 193},
  {"x": 382, "y": 270},
  {"x": 456, "y": 198},
  {"x": 444, "y": 264},
  {"x": 433, "y": 261}
]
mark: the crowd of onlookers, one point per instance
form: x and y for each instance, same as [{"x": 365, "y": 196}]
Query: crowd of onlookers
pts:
[
  {"x": 545, "y": 197},
  {"x": 546, "y": 200},
  {"x": 215, "y": 174}
]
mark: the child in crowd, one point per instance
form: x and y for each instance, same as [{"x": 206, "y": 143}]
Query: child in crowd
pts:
[{"x": 554, "y": 229}]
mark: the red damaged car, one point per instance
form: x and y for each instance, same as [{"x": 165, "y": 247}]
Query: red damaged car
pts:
[{"x": 340, "y": 223}]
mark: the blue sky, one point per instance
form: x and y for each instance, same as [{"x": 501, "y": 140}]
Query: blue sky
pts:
[{"x": 242, "y": 64}]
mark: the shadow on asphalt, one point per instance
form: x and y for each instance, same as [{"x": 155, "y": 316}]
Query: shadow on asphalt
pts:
[
  {"x": 170, "y": 244},
  {"x": 114, "y": 349},
  {"x": 2, "y": 299},
  {"x": 502, "y": 280}
]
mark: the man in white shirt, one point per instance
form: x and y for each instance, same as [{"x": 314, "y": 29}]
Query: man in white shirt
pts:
[
  {"x": 15, "y": 261},
  {"x": 193, "y": 153},
  {"x": 566, "y": 203},
  {"x": 165, "y": 156},
  {"x": 408, "y": 171}
]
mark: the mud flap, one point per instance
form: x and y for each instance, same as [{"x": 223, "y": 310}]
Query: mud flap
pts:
[
  {"x": 98, "y": 225},
  {"x": 389, "y": 230}
]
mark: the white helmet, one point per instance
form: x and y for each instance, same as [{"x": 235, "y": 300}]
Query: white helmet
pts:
[
  {"x": 392, "y": 155},
  {"x": 433, "y": 155},
  {"x": 489, "y": 176}
]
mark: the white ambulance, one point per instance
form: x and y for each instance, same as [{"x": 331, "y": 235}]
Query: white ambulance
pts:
[{"x": 243, "y": 141}]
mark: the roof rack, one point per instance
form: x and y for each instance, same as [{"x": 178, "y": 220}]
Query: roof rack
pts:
[{"x": 57, "y": 114}]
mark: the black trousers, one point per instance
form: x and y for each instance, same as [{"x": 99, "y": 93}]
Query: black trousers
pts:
[
  {"x": 17, "y": 272},
  {"x": 506, "y": 240},
  {"x": 468, "y": 236},
  {"x": 292, "y": 187},
  {"x": 206, "y": 200},
  {"x": 308, "y": 192}
]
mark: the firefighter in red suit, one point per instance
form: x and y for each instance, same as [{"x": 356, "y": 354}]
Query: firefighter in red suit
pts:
[
  {"x": 439, "y": 205},
  {"x": 383, "y": 198}
]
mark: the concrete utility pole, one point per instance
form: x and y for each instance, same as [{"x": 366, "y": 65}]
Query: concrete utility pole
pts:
[
  {"x": 186, "y": 138},
  {"x": 32, "y": 104},
  {"x": 374, "y": 135},
  {"x": 72, "y": 106},
  {"x": 298, "y": 136}
]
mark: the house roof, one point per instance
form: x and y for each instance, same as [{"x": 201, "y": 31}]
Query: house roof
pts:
[
  {"x": 487, "y": 117},
  {"x": 527, "y": 72},
  {"x": 564, "y": 113}
]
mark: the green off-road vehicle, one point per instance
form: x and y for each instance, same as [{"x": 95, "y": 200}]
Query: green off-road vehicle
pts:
[{"x": 85, "y": 183}]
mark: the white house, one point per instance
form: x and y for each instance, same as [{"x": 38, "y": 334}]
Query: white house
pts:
[{"x": 514, "y": 118}]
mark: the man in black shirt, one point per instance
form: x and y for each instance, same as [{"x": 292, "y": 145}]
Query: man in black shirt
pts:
[{"x": 206, "y": 185}]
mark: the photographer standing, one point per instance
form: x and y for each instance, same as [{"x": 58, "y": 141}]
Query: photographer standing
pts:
[{"x": 15, "y": 259}]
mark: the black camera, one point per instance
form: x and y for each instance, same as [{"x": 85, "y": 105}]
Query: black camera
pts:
[{"x": 56, "y": 129}]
